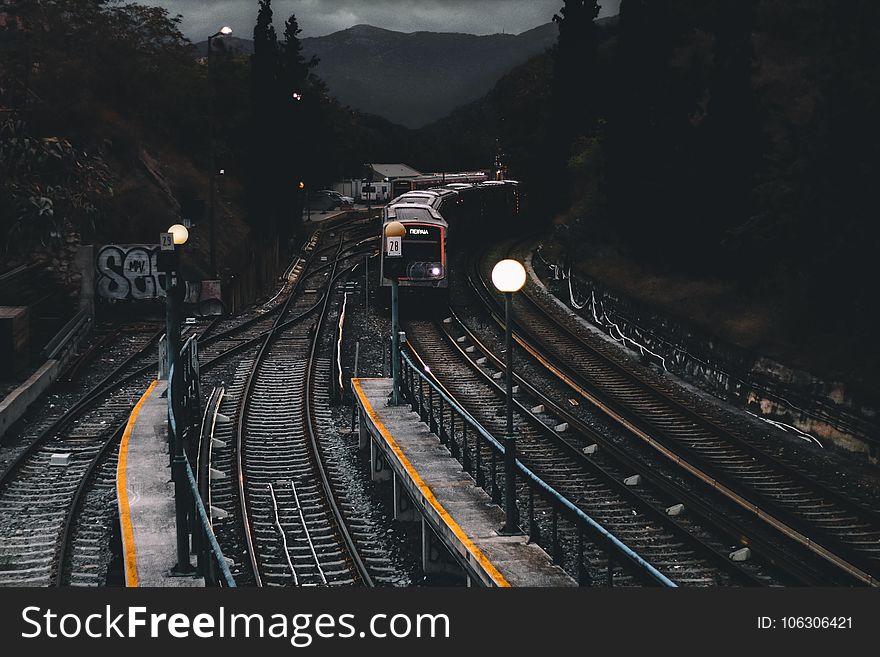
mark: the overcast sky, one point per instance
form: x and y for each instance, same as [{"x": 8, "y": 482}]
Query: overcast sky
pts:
[{"x": 318, "y": 17}]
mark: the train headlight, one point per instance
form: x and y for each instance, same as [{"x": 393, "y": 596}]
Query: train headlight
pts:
[{"x": 425, "y": 270}]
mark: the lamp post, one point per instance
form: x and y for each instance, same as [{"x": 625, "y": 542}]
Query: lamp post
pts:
[
  {"x": 302, "y": 186},
  {"x": 177, "y": 235},
  {"x": 223, "y": 31},
  {"x": 509, "y": 276},
  {"x": 394, "y": 232}
]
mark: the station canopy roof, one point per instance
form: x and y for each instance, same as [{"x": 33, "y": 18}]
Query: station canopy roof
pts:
[{"x": 392, "y": 171}]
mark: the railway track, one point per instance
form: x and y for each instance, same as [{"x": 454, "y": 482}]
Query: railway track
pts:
[
  {"x": 843, "y": 532},
  {"x": 37, "y": 497},
  {"x": 306, "y": 297},
  {"x": 55, "y": 520},
  {"x": 294, "y": 530},
  {"x": 688, "y": 552}
]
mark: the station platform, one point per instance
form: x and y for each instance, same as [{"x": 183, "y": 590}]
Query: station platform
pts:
[
  {"x": 145, "y": 496},
  {"x": 450, "y": 505}
]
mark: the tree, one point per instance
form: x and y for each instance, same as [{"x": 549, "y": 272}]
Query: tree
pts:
[
  {"x": 732, "y": 126},
  {"x": 575, "y": 66},
  {"x": 575, "y": 88},
  {"x": 49, "y": 188},
  {"x": 647, "y": 132},
  {"x": 836, "y": 230},
  {"x": 298, "y": 99},
  {"x": 263, "y": 174}
]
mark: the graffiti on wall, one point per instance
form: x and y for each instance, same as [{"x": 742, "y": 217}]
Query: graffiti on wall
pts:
[{"x": 129, "y": 272}]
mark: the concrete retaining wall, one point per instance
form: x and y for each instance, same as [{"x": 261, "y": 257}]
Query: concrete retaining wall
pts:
[
  {"x": 16, "y": 403},
  {"x": 824, "y": 409}
]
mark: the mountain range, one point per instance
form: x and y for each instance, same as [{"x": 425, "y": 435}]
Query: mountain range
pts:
[{"x": 413, "y": 78}]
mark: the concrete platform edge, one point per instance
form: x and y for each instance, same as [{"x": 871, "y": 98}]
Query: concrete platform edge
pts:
[
  {"x": 129, "y": 550},
  {"x": 17, "y": 402}
]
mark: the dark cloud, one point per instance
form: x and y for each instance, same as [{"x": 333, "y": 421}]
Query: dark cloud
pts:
[{"x": 318, "y": 17}]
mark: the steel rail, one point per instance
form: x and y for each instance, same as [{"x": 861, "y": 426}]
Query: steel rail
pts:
[
  {"x": 778, "y": 519},
  {"x": 98, "y": 393},
  {"x": 244, "y": 502},
  {"x": 242, "y": 418},
  {"x": 735, "y": 531},
  {"x": 622, "y": 550},
  {"x": 310, "y": 425}
]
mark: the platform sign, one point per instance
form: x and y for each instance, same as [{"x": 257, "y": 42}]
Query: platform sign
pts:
[
  {"x": 393, "y": 247},
  {"x": 166, "y": 241}
]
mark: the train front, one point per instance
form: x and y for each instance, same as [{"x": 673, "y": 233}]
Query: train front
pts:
[{"x": 423, "y": 261}]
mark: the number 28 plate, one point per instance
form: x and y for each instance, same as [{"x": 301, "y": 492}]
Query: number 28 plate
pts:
[{"x": 392, "y": 247}]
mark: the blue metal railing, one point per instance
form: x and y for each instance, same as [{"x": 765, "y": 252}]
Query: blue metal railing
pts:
[
  {"x": 184, "y": 416},
  {"x": 480, "y": 454}
]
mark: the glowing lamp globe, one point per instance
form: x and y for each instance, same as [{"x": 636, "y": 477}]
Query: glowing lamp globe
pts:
[
  {"x": 225, "y": 30},
  {"x": 179, "y": 233},
  {"x": 508, "y": 276},
  {"x": 395, "y": 229}
]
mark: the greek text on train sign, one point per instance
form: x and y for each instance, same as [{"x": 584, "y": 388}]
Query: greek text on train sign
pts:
[{"x": 392, "y": 247}]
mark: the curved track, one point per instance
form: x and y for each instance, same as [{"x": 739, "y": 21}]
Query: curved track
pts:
[
  {"x": 687, "y": 552},
  {"x": 38, "y": 499},
  {"x": 294, "y": 531},
  {"x": 55, "y": 520},
  {"x": 842, "y": 531}
]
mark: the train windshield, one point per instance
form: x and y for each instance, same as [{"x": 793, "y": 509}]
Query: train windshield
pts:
[{"x": 413, "y": 214}]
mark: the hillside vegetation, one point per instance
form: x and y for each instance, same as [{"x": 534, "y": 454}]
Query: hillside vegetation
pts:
[
  {"x": 728, "y": 146},
  {"x": 103, "y": 130}
]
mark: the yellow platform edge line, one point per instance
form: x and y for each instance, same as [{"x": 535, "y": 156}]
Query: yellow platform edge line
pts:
[
  {"x": 129, "y": 551},
  {"x": 481, "y": 558}
]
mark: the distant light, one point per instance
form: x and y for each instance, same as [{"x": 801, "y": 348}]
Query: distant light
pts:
[
  {"x": 179, "y": 234},
  {"x": 222, "y": 172},
  {"x": 297, "y": 96},
  {"x": 225, "y": 30},
  {"x": 427, "y": 369},
  {"x": 508, "y": 276},
  {"x": 302, "y": 185},
  {"x": 435, "y": 271}
]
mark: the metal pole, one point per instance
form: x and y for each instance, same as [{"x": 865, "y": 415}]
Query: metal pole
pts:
[
  {"x": 212, "y": 179},
  {"x": 395, "y": 343},
  {"x": 511, "y": 525},
  {"x": 508, "y": 360},
  {"x": 178, "y": 460},
  {"x": 354, "y": 406},
  {"x": 367, "y": 283}
]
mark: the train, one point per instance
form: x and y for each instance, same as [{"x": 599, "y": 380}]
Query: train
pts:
[
  {"x": 436, "y": 180},
  {"x": 439, "y": 216}
]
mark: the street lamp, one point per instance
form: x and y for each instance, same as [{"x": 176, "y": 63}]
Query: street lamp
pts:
[
  {"x": 302, "y": 186},
  {"x": 179, "y": 234},
  {"x": 509, "y": 276},
  {"x": 176, "y": 236},
  {"x": 394, "y": 232},
  {"x": 223, "y": 31}
]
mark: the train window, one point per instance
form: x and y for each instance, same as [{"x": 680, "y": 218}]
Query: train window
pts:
[{"x": 413, "y": 214}]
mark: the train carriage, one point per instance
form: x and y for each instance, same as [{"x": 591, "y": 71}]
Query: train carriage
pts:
[
  {"x": 437, "y": 217},
  {"x": 423, "y": 245}
]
